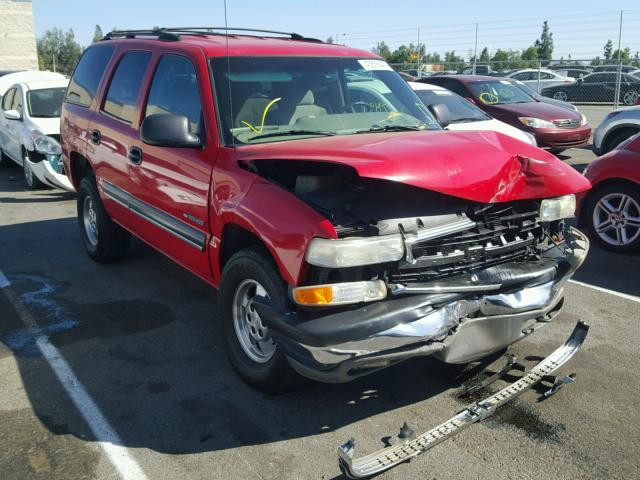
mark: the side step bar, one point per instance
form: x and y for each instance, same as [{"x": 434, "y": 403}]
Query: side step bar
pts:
[{"x": 412, "y": 446}]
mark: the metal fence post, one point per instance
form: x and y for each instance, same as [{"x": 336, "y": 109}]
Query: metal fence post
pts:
[
  {"x": 419, "y": 55},
  {"x": 539, "y": 68},
  {"x": 475, "y": 51},
  {"x": 616, "y": 99}
]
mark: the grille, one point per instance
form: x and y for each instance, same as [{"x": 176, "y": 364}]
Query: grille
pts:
[
  {"x": 502, "y": 233},
  {"x": 566, "y": 123}
]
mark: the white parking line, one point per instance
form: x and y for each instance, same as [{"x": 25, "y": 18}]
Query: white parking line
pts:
[
  {"x": 106, "y": 437},
  {"x": 626, "y": 296}
]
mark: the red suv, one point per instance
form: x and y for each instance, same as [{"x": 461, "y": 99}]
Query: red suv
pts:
[{"x": 344, "y": 229}]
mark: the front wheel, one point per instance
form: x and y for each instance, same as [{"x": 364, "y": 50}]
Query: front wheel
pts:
[
  {"x": 104, "y": 240},
  {"x": 31, "y": 181},
  {"x": 629, "y": 98},
  {"x": 614, "y": 217},
  {"x": 250, "y": 347},
  {"x": 561, "y": 95}
]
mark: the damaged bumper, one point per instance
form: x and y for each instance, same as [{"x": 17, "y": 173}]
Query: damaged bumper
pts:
[
  {"x": 458, "y": 319},
  {"x": 412, "y": 446},
  {"x": 49, "y": 171}
]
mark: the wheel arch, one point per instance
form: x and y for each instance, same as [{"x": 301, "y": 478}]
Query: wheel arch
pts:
[
  {"x": 79, "y": 168},
  {"x": 586, "y": 202},
  {"x": 633, "y": 127}
]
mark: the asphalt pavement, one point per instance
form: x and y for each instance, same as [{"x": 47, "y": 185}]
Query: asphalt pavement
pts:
[{"x": 155, "y": 398}]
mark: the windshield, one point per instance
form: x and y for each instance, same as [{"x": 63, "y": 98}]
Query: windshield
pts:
[
  {"x": 498, "y": 92},
  {"x": 460, "y": 110},
  {"x": 265, "y": 99},
  {"x": 45, "y": 103}
]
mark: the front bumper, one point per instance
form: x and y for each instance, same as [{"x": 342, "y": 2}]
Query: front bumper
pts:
[
  {"x": 561, "y": 138},
  {"x": 49, "y": 172},
  {"x": 456, "y": 327}
]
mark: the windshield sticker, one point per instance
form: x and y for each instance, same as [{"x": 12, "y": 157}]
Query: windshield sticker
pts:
[
  {"x": 489, "y": 98},
  {"x": 371, "y": 65}
]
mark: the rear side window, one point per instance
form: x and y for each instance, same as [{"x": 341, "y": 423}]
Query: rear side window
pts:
[
  {"x": 174, "y": 90},
  {"x": 125, "y": 86},
  {"x": 86, "y": 78}
]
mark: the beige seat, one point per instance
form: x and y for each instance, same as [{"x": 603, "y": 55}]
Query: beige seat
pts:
[{"x": 307, "y": 108}]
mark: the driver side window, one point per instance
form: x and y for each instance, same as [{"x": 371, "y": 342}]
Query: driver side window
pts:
[{"x": 7, "y": 100}]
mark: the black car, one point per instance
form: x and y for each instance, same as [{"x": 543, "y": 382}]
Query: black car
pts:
[
  {"x": 530, "y": 91},
  {"x": 614, "y": 68},
  {"x": 597, "y": 87}
]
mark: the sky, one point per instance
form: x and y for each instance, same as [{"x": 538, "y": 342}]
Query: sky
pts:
[{"x": 580, "y": 28}]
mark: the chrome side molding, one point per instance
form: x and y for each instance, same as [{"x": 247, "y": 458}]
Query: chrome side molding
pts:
[{"x": 412, "y": 446}]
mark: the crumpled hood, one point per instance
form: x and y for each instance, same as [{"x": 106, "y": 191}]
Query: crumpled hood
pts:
[{"x": 480, "y": 166}]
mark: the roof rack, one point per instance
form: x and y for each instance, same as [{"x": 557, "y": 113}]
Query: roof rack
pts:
[{"x": 174, "y": 33}]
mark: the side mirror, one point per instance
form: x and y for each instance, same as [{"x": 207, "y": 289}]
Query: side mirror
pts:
[
  {"x": 12, "y": 115},
  {"x": 167, "y": 130},
  {"x": 441, "y": 112}
]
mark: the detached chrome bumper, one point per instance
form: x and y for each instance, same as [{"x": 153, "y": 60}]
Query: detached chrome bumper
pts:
[
  {"x": 455, "y": 326},
  {"x": 391, "y": 456}
]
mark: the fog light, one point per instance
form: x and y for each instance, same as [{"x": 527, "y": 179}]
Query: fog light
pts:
[{"x": 340, "y": 293}]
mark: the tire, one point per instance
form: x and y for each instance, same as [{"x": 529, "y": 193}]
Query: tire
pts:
[
  {"x": 4, "y": 160},
  {"x": 629, "y": 97},
  {"x": 30, "y": 179},
  {"x": 104, "y": 240},
  {"x": 561, "y": 95},
  {"x": 608, "y": 217},
  {"x": 617, "y": 139},
  {"x": 247, "y": 273}
]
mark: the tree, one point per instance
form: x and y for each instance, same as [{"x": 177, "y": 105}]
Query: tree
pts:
[
  {"x": 97, "y": 34},
  {"x": 530, "y": 57},
  {"x": 383, "y": 50},
  {"x": 608, "y": 50},
  {"x": 544, "y": 45},
  {"x": 453, "y": 61},
  {"x": 625, "y": 55},
  {"x": 484, "y": 55},
  {"x": 58, "y": 51}
]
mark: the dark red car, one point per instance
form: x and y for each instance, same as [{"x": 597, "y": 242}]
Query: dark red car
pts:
[
  {"x": 611, "y": 209},
  {"x": 556, "y": 128},
  {"x": 344, "y": 229}
]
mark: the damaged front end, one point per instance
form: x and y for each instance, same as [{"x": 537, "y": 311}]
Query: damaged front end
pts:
[{"x": 416, "y": 272}]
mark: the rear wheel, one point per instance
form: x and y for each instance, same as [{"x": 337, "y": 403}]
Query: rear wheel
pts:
[
  {"x": 104, "y": 240},
  {"x": 250, "y": 347},
  {"x": 614, "y": 217}
]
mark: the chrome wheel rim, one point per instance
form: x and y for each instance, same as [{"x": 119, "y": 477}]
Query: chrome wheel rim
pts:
[
  {"x": 560, "y": 96},
  {"x": 28, "y": 172},
  {"x": 616, "y": 219},
  {"x": 90, "y": 220},
  {"x": 630, "y": 98},
  {"x": 254, "y": 337}
]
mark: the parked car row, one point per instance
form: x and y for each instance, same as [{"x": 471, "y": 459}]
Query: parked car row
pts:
[{"x": 600, "y": 87}]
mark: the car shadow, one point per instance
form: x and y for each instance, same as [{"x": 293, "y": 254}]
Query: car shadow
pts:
[{"x": 144, "y": 339}]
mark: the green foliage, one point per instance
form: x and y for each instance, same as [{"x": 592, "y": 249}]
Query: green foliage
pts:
[
  {"x": 58, "y": 51},
  {"x": 97, "y": 34},
  {"x": 485, "y": 57},
  {"x": 608, "y": 50},
  {"x": 453, "y": 61},
  {"x": 544, "y": 45},
  {"x": 625, "y": 55}
]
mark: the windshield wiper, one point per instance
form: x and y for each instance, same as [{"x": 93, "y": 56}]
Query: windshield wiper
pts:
[
  {"x": 392, "y": 128},
  {"x": 292, "y": 133},
  {"x": 468, "y": 119}
]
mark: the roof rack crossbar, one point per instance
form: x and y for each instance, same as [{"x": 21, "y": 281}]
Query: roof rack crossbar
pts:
[{"x": 173, "y": 33}]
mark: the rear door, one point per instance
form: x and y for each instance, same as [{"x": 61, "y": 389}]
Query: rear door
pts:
[{"x": 172, "y": 183}]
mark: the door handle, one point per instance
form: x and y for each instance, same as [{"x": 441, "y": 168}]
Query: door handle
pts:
[
  {"x": 135, "y": 155},
  {"x": 95, "y": 137}
]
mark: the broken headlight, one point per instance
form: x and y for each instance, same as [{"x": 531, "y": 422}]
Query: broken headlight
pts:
[
  {"x": 44, "y": 144},
  {"x": 557, "y": 208},
  {"x": 354, "y": 252}
]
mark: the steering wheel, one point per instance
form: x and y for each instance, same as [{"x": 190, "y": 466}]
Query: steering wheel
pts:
[{"x": 365, "y": 107}]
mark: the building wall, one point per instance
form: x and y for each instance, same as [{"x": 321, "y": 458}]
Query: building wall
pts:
[{"x": 17, "y": 36}]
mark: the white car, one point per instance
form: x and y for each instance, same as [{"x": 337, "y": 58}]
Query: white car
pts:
[
  {"x": 539, "y": 79},
  {"x": 30, "y": 130},
  {"x": 463, "y": 115}
]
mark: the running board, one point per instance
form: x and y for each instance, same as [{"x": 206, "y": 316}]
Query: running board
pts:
[{"x": 412, "y": 446}]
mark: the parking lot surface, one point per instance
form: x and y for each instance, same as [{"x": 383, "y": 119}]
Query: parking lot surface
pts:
[{"x": 141, "y": 339}]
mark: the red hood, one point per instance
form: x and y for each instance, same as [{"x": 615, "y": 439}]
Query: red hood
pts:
[{"x": 480, "y": 166}]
